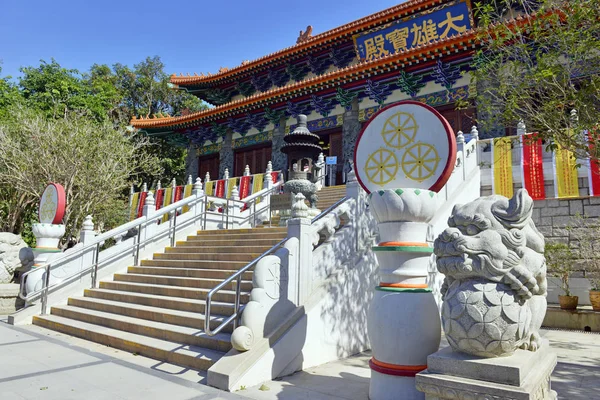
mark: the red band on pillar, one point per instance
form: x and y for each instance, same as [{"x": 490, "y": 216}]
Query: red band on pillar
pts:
[{"x": 397, "y": 370}]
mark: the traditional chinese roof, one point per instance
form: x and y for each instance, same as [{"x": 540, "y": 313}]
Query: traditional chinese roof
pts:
[
  {"x": 402, "y": 60},
  {"x": 318, "y": 41}
]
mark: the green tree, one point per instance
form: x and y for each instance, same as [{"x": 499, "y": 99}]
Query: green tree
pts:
[
  {"x": 92, "y": 160},
  {"x": 540, "y": 67}
]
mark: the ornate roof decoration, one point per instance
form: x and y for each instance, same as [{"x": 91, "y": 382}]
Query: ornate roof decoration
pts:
[
  {"x": 305, "y": 36},
  {"x": 321, "y": 105},
  {"x": 218, "y": 96},
  {"x": 245, "y": 88},
  {"x": 445, "y": 74},
  {"x": 259, "y": 121},
  {"x": 345, "y": 97},
  {"x": 241, "y": 126},
  {"x": 410, "y": 84},
  {"x": 262, "y": 84},
  {"x": 279, "y": 78},
  {"x": 341, "y": 58},
  {"x": 297, "y": 72},
  {"x": 318, "y": 66},
  {"x": 295, "y": 109},
  {"x": 377, "y": 91},
  {"x": 347, "y": 30},
  {"x": 274, "y": 116},
  {"x": 462, "y": 42}
]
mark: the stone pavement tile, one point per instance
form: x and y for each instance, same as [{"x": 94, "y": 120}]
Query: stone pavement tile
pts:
[
  {"x": 10, "y": 395},
  {"x": 279, "y": 390},
  {"x": 346, "y": 386}
]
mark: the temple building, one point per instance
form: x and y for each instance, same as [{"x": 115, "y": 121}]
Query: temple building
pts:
[{"x": 420, "y": 50}]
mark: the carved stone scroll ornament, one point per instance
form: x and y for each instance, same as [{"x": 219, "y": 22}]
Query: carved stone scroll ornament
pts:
[{"x": 495, "y": 287}]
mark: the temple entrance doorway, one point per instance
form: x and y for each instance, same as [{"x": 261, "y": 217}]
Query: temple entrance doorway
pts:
[
  {"x": 209, "y": 164},
  {"x": 460, "y": 120},
  {"x": 256, "y": 157},
  {"x": 331, "y": 142}
]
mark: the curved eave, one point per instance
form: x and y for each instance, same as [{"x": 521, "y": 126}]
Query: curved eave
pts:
[
  {"x": 452, "y": 45},
  {"x": 347, "y": 30}
]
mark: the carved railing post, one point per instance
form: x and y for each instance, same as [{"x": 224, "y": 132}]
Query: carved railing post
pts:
[{"x": 299, "y": 228}]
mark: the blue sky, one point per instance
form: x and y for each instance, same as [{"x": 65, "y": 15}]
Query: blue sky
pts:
[{"x": 189, "y": 36}]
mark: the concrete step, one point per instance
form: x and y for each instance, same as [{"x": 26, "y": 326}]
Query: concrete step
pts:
[
  {"x": 237, "y": 232},
  {"x": 194, "y": 357},
  {"x": 154, "y": 329},
  {"x": 173, "y": 291},
  {"x": 187, "y": 272},
  {"x": 197, "y": 264},
  {"x": 208, "y": 242},
  {"x": 204, "y": 283},
  {"x": 219, "y": 249},
  {"x": 158, "y": 314},
  {"x": 247, "y": 257},
  {"x": 258, "y": 234},
  {"x": 158, "y": 301}
]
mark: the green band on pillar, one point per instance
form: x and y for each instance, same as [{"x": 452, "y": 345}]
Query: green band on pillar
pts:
[{"x": 393, "y": 289}]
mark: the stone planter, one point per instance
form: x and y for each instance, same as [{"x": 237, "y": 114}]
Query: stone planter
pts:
[
  {"x": 595, "y": 299},
  {"x": 568, "y": 302}
]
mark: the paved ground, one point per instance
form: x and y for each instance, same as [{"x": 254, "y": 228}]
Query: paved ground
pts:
[
  {"x": 577, "y": 376},
  {"x": 36, "y": 363}
]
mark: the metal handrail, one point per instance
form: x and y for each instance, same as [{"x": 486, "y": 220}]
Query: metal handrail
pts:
[
  {"x": 238, "y": 277},
  {"x": 236, "y": 310},
  {"x": 329, "y": 209},
  {"x": 119, "y": 231}
]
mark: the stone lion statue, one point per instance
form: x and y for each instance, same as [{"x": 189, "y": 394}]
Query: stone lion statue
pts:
[
  {"x": 15, "y": 255},
  {"x": 495, "y": 286}
]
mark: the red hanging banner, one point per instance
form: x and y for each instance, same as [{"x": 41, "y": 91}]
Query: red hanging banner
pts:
[
  {"x": 244, "y": 186},
  {"x": 274, "y": 175},
  {"x": 220, "y": 191},
  {"x": 143, "y": 196},
  {"x": 178, "y": 193},
  {"x": 160, "y": 195},
  {"x": 593, "y": 165},
  {"x": 532, "y": 166}
]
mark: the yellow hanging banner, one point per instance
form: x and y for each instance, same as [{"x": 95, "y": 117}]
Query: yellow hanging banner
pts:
[
  {"x": 187, "y": 192},
  {"x": 257, "y": 185},
  {"x": 502, "y": 175},
  {"x": 134, "y": 206},
  {"x": 565, "y": 173},
  {"x": 231, "y": 182}
]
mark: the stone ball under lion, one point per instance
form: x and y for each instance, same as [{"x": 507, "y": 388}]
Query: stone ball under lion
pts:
[{"x": 484, "y": 318}]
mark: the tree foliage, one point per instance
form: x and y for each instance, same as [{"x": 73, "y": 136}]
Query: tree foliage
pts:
[
  {"x": 62, "y": 125},
  {"x": 93, "y": 161},
  {"x": 539, "y": 67}
]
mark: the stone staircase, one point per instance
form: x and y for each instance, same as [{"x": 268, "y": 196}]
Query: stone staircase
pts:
[
  {"x": 157, "y": 309},
  {"x": 329, "y": 195}
]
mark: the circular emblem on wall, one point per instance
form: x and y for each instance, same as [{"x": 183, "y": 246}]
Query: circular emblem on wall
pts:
[
  {"x": 405, "y": 145},
  {"x": 52, "y": 204}
]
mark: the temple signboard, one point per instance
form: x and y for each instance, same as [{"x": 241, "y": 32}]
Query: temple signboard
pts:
[{"x": 437, "y": 24}]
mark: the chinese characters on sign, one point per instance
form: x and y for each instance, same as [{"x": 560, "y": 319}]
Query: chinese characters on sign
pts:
[{"x": 437, "y": 25}]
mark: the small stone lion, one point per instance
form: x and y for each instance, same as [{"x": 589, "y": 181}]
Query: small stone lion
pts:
[{"x": 495, "y": 286}]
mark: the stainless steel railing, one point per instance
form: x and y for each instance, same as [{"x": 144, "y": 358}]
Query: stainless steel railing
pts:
[
  {"x": 96, "y": 244},
  {"x": 237, "y": 276}
]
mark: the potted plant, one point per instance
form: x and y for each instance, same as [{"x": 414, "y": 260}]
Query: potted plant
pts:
[
  {"x": 559, "y": 260},
  {"x": 587, "y": 233}
]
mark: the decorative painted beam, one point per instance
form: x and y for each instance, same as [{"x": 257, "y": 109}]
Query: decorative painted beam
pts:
[
  {"x": 294, "y": 109},
  {"x": 219, "y": 130},
  {"x": 445, "y": 74},
  {"x": 341, "y": 58},
  {"x": 318, "y": 66},
  {"x": 297, "y": 72},
  {"x": 377, "y": 91},
  {"x": 262, "y": 84},
  {"x": 410, "y": 84},
  {"x": 218, "y": 96},
  {"x": 246, "y": 89},
  {"x": 345, "y": 97},
  {"x": 274, "y": 116},
  {"x": 259, "y": 121},
  {"x": 278, "y": 78},
  {"x": 322, "y": 106},
  {"x": 240, "y": 126}
]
